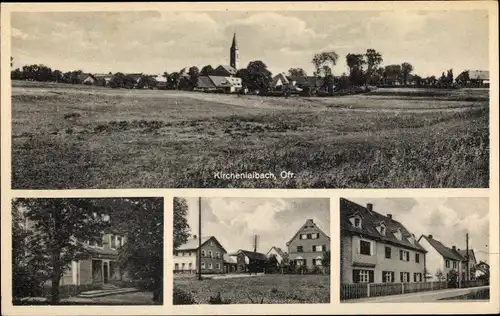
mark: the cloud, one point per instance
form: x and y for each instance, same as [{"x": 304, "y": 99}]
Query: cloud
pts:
[{"x": 17, "y": 33}]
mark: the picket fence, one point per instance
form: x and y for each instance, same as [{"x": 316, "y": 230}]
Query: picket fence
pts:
[{"x": 362, "y": 290}]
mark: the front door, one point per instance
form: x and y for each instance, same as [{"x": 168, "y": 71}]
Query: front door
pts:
[{"x": 105, "y": 272}]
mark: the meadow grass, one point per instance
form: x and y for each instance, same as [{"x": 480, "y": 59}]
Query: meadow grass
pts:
[
  {"x": 268, "y": 289},
  {"x": 104, "y": 138}
]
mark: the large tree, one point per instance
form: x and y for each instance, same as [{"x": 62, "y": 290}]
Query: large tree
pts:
[
  {"x": 355, "y": 62},
  {"x": 323, "y": 63},
  {"x": 298, "y": 72},
  {"x": 256, "y": 76},
  {"x": 373, "y": 61},
  {"x": 146, "y": 82},
  {"x": 406, "y": 69},
  {"x": 61, "y": 226},
  {"x": 206, "y": 70},
  {"x": 140, "y": 220},
  {"x": 193, "y": 73}
]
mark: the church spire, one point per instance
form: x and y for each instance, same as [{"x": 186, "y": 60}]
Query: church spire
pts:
[{"x": 234, "y": 55}]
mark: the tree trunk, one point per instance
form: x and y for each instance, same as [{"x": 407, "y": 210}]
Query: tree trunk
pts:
[{"x": 56, "y": 276}]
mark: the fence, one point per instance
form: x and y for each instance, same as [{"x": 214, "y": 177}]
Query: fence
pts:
[{"x": 362, "y": 290}]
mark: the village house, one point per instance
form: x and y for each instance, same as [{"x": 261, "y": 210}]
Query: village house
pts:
[
  {"x": 249, "y": 261},
  {"x": 472, "y": 264},
  {"x": 482, "y": 270},
  {"x": 103, "y": 79},
  {"x": 441, "y": 260},
  {"x": 278, "y": 253},
  {"x": 307, "y": 246},
  {"x": 375, "y": 248},
  {"x": 474, "y": 78},
  {"x": 86, "y": 78},
  {"x": 212, "y": 256}
]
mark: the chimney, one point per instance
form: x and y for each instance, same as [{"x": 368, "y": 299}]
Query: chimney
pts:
[
  {"x": 389, "y": 216},
  {"x": 369, "y": 207},
  {"x": 454, "y": 247},
  {"x": 430, "y": 236}
]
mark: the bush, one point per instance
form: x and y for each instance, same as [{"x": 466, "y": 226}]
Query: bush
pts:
[
  {"x": 218, "y": 300},
  {"x": 25, "y": 283},
  {"x": 182, "y": 298}
]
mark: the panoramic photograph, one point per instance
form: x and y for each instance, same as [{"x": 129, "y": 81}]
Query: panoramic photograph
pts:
[
  {"x": 257, "y": 99},
  {"x": 73, "y": 251},
  {"x": 251, "y": 251},
  {"x": 396, "y": 250}
]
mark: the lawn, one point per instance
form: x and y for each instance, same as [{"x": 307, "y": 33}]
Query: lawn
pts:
[
  {"x": 268, "y": 289},
  {"x": 78, "y": 137}
]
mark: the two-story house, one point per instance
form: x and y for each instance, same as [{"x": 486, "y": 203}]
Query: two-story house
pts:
[
  {"x": 375, "y": 248},
  {"x": 308, "y": 244},
  {"x": 440, "y": 260},
  {"x": 212, "y": 256}
]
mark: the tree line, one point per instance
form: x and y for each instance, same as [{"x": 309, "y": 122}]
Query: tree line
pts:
[{"x": 363, "y": 70}]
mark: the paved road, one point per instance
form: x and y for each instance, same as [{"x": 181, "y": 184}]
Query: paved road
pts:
[{"x": 430, "y": 296}]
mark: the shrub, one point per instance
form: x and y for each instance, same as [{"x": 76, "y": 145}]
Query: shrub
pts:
[
  {"x": 182, "y": 298},
  {"x": 218, "y": 300}
]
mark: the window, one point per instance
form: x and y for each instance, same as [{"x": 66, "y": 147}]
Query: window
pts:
[
  {"x": 447, "y": 263},
  {"x": 211, "y": 243},
  {"x": 300, "y": 249},
  {"x": 315, "y": 236},
  {"x": 99, "y": 242},
  {"x": 203, "y": 253},
  {"x": 113, "y": 241},
  {"x": 365, "y": 247},
  {"x": 183, "y": 266},
  {"x": 319, "y": 248},
  {"x": 309, "y": 236},
  {"x": 357, "y": 222},
  {"x": 209, "y": 266},
  {"x": 190, "y": 265},
  {"x": 404, "y": 277},
  {"x": 217, "y": 266},
  {"x": 318, "y": 262},
  {"x": 217, "y": 255},
  {"x": 382, "y": 230},
  {"x": 190, "y": 254},
  {"x": 454, "y": 264},
  {"x": 362, "y": 276},
  {"x": 417, "y": 257},
  {"x": 203, "y": 265},
  {"x": 119, "y": 242},
  {"x": 182, "y": 253},
  {"x": 387, "y": 276},
  {"x": 388, "y": 252},
  {"x": 417, "y": 277},
  {"x": 404, "y": 255},
  {"x": 176, "y": 266},
  {"x": 210, "y": 254},
  {"x": 303, "y": 236}
]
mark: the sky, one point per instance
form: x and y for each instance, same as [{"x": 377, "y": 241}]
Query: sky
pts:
[
  {"x": 235, "y": 221},
  {"x": 446, "y": 219},
  {"x": 155, "y": 42}
]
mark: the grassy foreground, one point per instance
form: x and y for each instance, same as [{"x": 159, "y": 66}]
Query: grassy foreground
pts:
[
  {"x": 76, "y": 138},
  {"x": 268, "y": 289}
]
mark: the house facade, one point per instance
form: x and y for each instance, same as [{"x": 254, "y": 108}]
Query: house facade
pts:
[
  {"x": 375, "y": 248},
  {"x": 250, "y": 261},
  {"x": 307, "y": 246},
  {"x": 278, "y": 253},
  {"x": 472, "y": 262},
  {"x": 212, "y": 256},
  {"x": 441, "y": 260}
]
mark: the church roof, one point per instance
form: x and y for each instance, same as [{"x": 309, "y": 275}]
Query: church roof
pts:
[
  {"x": 235, "y": 44},
  {"x": 226, "y": 68}
]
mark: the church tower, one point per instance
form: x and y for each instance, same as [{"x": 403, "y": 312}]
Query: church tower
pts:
[{"x": 234, "y": 55}]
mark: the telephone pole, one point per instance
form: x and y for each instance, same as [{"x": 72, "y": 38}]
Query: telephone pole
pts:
[
  {"x": 199, "y": 238},
  {"x": 467, "y": 255}
]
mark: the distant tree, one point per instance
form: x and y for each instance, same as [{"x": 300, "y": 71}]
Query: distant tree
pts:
[
  {"x": 62, "y": 225},
  {"x": 463, "y": 78},
  {"x": 173, "y": 80},
  {"x": 297, "y": 72},
  {"x": 16, "y": 74},
  {"x": 392, "y": 73},
  {"x": 207, "y": 71},
  {"x": 117, "y": 81},
  {"x": 320, "y": 60},
  {"x": 355, "y": 62},
  {"x": 406, "y": 69},
  {"x": 256, "y": 76},
  {"x": 449, "y": 77},
  {"x": 182, "y": 231},
  {"x": 57, "y": 76},
  {"x": 193, "y": 73},
  {"x": 146, "y": 82},
  {"x": 373, "y": 61}
]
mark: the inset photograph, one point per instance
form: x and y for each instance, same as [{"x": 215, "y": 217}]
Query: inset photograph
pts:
[
  {"x": 396, "y": 250},
  {"x": 251, "y": 251},
  {"x": 81, "y": 251}
]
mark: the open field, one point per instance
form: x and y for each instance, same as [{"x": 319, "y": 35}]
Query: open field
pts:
[
  {"x": 71, "y": 137},
  {"x": 270, "y": 289}
]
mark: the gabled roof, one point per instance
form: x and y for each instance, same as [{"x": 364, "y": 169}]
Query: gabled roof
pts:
[
  {"x": 84, "y": 76},
  {"x": 192, "y": 244},
  {"x": 103, "y": 76},
  {"x": 136, "y": 76},
  {"x": 444, "y": 251},
  {"x": 229, "y": 69},
  {"x": 281, "y": 76},
  {"x": 205, "y": 82},
  {"x": 252, "y": 255},
  {"x": 463, "y": 253},
  {"x": 222, "y": 82},
  {"x": 305, "y": 81},
  {"x": 229, "y": 259},
  {"x": 279, "y": 251},
  {"x": 310, "y": 223},
  {"x": 369, "y": 224},
  {"x": 479, "y": 74}
]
